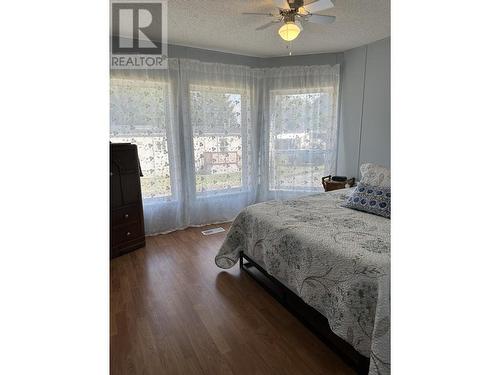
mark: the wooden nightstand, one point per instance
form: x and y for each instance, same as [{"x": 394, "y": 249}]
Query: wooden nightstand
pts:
[{"x": 330, "y": 183}]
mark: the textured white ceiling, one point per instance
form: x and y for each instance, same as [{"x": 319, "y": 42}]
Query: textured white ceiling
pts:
[{"x": 218, "y": 25}]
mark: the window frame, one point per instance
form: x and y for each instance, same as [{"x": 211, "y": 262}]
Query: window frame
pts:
[
  {"x": 245, "y": 100},
  {"x": 331, "y": 91},
  {"x": 168, "y": 101}
]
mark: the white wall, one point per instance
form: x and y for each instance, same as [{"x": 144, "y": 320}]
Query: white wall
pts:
[{"x": 365, "y": 122}]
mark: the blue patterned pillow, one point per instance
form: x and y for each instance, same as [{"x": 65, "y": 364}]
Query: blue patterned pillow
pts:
[{"x": 373, "y": 199}]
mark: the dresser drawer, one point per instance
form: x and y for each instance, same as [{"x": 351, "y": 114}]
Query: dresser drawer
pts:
[
  {"x": 126, "y": 232},
  {"x": 125, "y": 214}
]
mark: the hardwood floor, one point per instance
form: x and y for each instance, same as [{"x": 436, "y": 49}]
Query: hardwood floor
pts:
[{"x": 174, "y": 312}]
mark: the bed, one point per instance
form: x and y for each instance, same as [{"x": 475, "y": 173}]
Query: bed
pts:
[{"x": 335, "y": 259}]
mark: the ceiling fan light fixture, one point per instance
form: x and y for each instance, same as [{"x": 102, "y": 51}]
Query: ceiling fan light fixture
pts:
[{"x": 289, "y": 31}]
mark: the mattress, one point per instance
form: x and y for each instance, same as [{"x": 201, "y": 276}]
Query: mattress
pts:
[{"x": 335, "y": 259}]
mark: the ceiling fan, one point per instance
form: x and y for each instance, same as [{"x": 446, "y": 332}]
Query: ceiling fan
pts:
[{"x": 292, "y": 13}]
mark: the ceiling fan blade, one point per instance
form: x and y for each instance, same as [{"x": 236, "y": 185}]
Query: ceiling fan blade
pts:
[
  {"x": 258, "y": 14},
  {"x": 282, "y": 4},
  {"x": 318, "y": 6},
  {"x": 265, "y": 26},
  {"x": 324, "y": 20}
]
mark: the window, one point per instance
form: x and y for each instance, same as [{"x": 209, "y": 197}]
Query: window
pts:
[
  {"x": 218, "y": 122},
  {"x": 301, "y": 138},
  {"x": 139, "y": 114}
]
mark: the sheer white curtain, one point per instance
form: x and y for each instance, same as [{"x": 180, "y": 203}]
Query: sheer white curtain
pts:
[
  {"x": 219, "y": 112},
  {"x": 195, "y": 126},
  {"x": 214, "y": 138},
  {"x": 144, "y": 111},
  {"x": 299, "y": 135}
]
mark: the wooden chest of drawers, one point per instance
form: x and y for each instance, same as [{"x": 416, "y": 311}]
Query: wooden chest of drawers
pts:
[{"x": 126, "y": 216}]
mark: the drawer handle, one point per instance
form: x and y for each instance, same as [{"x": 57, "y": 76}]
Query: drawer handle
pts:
[
  {"x": 125, "y": 216},
  {"x": 128, "y": 234}
]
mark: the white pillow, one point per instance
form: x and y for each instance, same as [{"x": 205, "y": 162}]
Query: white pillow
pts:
[{"x": 375, "y": 175}]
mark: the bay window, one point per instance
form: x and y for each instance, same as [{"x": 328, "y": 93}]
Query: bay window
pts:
[{"x": 214, "y": 138}]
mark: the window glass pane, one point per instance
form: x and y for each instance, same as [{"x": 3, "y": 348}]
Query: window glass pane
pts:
[
  {"x": 300, "y": 136},
  {"x": 139, "y": 115},
  {"x": 216, "y": 117}
]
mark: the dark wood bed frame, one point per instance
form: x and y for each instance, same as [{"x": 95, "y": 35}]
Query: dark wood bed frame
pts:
[{"x": 309, "y": 316}]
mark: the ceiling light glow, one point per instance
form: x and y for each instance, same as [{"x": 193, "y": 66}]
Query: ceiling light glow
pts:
[{"x": 289, "y": 31}]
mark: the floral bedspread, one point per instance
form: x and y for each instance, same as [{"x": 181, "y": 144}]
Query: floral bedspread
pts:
[{"x": 336, "y": 259}]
